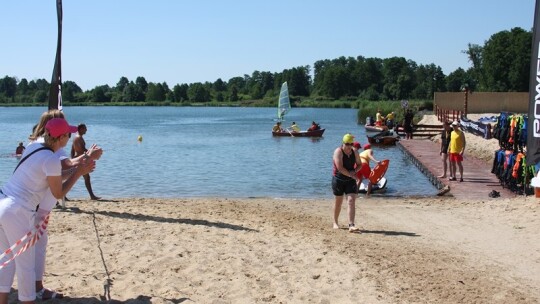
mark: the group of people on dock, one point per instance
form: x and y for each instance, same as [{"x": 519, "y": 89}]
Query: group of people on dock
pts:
[{"x": 452, "y": 150}]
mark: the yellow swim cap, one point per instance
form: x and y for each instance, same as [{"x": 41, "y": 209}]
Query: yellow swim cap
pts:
[{"x": 348, "y": 138}]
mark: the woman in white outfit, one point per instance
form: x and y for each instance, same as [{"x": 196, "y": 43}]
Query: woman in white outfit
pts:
[
  {"x": 35, "y": 176},
  {"x": 49, "y": 201}
]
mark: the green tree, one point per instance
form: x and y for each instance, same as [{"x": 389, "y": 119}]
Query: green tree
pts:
[
  {"x": 238, "y": 82},
  {"x": 132, "y": 93},
  {"x": 220, "y": 86},
  {"x": 398, "y": 78},
  {"x": 8, "y": 87},
  {"x": 122, "y": 83},
  {"x": 474, "y": 53},
  {"x": 300, "y": 81},
  {"x": 180, "y": 93},
  {"x": 505, "y": 61},
  {"x": 233, "y": 96},
  {"x": 23, "y": 87},
  {"x": 100, "y": 94},
  {"x": 429, "y": 79},
  {"x": 370, "y": 77},
  {"x": 142, "y": 85},
  {"x": 198, "y": 93},
  {"x": 41, "y": 96},
  {"x": 455, "y": 80},
  {"x": 155, "y": 92},
  {"x": 69, "y": 90}
]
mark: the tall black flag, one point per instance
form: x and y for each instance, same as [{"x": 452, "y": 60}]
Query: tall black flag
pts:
[
  {"x": 533, "y": 122},
  {"x": 55, "y": 92}
]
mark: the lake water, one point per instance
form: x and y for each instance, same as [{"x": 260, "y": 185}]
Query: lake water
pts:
[{"x": 207, "y": 151}]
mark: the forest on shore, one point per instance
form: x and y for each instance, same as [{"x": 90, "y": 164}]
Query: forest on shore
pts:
[{"x": 501, "y": 64}]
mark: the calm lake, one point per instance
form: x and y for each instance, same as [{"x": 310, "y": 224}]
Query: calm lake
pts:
[{"x": 208, "y": 151}]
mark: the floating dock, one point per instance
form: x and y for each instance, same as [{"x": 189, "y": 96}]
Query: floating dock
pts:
[{"x": 478, "y": 181}]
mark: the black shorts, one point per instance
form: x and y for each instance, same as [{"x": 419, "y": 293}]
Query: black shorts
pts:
[{"x": 340, "y": 186}]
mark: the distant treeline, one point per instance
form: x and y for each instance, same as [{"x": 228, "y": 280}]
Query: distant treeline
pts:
[{"x": 500, "y": 65}]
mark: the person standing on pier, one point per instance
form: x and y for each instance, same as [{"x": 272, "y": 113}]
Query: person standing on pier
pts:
[
  {"x": 445, "y": 143},
  {"x": 457, "y": 148}
]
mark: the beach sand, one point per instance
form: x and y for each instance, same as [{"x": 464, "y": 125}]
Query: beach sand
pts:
[
  {"x": 264, "y": 250},
  {"x": 217, "y": 250}
]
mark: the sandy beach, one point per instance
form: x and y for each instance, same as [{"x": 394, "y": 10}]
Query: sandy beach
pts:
[
  {"x": 216, "y": 250},
  {"x": 227, "y": 250}
]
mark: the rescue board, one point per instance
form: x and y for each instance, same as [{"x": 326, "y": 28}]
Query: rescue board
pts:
[
  {"x": 378, "y": 172},
  {"x": 380, "y": 186}
]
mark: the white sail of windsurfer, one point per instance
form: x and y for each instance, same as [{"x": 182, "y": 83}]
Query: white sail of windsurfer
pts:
[{"x": 284, "y": 104}]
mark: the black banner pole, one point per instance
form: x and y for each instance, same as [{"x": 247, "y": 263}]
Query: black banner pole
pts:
[{"x": 55, "y": 92}]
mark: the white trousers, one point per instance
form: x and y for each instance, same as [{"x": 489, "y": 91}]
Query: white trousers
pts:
[
  {"x": 16, "y": 222},
  {"x": 41, "y": 244}
]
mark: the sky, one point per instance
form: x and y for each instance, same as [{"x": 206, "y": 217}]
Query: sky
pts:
[{"x": 178, "y": 42}]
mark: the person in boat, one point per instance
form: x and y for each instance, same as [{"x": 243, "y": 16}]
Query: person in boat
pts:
[
  {"x": 314, "y": 126},
  {"x": 390, "y": 120},
  {"x": 20, "y": 149},
  {"x": 369, "y": 121},
  {"x": 294, "y": 127},
  {"x": 277, "y": 127},
  {"x": 365, "y": 169},
  {"x": 379, "y": 120},
  {"x": 445, "y": 143},
  {"x": 345, "y": 159}
]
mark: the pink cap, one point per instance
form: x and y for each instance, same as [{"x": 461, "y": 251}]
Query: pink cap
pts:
[
  {"x": 59, "y": 126},
  {"x": 367, "y": 146},
  {"x": 356, "y": 145}
]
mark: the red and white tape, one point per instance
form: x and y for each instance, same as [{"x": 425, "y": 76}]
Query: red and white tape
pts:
[{"x": 27, "y": 241}]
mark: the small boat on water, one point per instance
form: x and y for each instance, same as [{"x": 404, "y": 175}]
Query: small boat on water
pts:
[
  {"x": 284, "y": 106},
  {"x": 385, "y": 138},
  {"x": 314, "y": 133},
  {"x": 374, "y": 128}
]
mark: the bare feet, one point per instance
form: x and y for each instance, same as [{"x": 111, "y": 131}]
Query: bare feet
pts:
[
  {"x": 336, "y": 226},
  {"x": 442, "y": 176},
  {"x": 95, "y": 198}
]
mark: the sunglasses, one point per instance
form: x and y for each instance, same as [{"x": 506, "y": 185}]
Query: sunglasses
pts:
[{"x": 348, "y": 144}]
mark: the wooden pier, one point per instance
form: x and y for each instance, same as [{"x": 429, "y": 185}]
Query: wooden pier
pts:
[{"x": 478, "y": 181}]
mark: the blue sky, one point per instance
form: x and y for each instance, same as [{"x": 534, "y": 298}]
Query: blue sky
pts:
[{"x": 197, "y": 41}]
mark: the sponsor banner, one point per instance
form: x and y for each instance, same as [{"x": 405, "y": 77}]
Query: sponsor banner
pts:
[
  {"x": 55, "y": 92},
  {"x": 476, "y": 127},
  {"x": 533, "y": 130}
]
